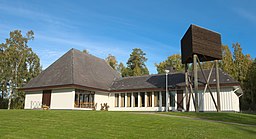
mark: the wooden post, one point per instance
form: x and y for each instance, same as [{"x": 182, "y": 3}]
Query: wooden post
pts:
[
  {"x": 195, "y": 82},
  {"x": 217, "y": 84},
  {"x": 186, "y": 89}
]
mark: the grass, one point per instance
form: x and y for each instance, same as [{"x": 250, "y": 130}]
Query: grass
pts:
[
  {"x": 240, "y": 118},
  {"x": 93, "y": 124}
]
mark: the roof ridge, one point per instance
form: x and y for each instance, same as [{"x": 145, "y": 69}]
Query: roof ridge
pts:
[
  {"x": 87, "y": 54},
  {"x": 151, "y": 75},
  {"x": 72, "y": 66}
]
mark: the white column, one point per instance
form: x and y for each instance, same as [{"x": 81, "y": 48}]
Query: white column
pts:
[
  {"x": 119, "y": 100},
  {"x": 132, "y": 97},
  {"x": 166, "y": 100},
  {"x": 138, "y": 99},
  {"x": 145, "y": 99},
  {"x": 153, "y": 99},
  {"x": 160, "y": 100},
  {"x": 125, "y": 99}
]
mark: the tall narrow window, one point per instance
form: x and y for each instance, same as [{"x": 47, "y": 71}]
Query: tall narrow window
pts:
[
  {"x": 149, "y": 99},
  {"x": 135, "y": 95},
  {"x": 76, "y": 100},
  {"x": 116, "y": 100},
  {"x": 163, "y": 99},
  {"x": 122, "y": 99},
  {"x": 172, "y": 99},
  {"x": 81, "y": 100},
  {"x": 129, "y": 99},
  {"x": 156, "y": 99},
  {"x": 142, "y": 99}
]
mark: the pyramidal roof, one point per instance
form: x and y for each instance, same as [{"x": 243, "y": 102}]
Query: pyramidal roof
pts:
[{"x": 76, "y": 68}]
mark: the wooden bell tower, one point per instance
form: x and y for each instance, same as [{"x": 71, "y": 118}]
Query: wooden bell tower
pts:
[{"x": 200, "y": 45}]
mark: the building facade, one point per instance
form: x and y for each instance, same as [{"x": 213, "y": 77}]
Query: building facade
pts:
[{"x": 80, "y": 81}]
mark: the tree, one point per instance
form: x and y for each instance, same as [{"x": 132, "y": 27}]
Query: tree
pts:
[
  {"x": 227, "y": 64},
  {"x": 19, "y": 64},
  {"x": 136, "y": 63},
  {"x": 85, "y": 51},
  {"x": 207, "y": 64},
  {"x": 249, "y": 96},
  {"x": 236, "y": 65},
  {"x": 241, "y": 63},
  {"x": 240, "y": 67},
  {"x": 122, "y": 70},
  {"x": 111, "y": 60},
  {"x": 172, "y": 61}
]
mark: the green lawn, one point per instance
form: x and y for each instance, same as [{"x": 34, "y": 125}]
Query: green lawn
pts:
[{"x": 93, "y": 124}]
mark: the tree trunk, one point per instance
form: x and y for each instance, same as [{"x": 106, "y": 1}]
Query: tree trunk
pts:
[{"x": 10, "y": 100}]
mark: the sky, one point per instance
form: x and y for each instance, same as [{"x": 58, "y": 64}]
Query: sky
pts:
[{"x": 116, "y": 27}]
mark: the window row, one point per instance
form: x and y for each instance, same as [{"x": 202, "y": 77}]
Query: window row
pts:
[{"x": 145, "y": 99}]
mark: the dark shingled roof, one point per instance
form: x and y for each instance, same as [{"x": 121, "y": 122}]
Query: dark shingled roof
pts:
[
  {"x": 174, "y": 79},
  {"x": 76, "y": 68}
]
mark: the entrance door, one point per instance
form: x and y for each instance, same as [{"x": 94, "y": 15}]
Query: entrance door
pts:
[
  {"x": 46, "y": 100},
  {"x": 180, "y": 100}
]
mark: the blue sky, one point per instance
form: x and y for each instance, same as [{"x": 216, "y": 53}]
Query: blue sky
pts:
[{"x": 116, "y": 26}]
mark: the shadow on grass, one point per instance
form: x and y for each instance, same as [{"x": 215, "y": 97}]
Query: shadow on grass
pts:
[
  {"x": 239, "y": 118},
  {"x": 247, "y": 130}
]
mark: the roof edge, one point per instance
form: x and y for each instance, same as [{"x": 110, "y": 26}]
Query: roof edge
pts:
[{"x": 62, "y": 87}]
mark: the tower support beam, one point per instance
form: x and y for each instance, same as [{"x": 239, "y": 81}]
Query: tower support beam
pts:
[
  {"x": 195, "y": 82},
  {"x": 217, "y": 84}
]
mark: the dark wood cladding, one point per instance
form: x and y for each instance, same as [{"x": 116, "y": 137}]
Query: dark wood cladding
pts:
[
  {"x": 180, "y": 100},
  {"x": 205, "y": 43},
  {"x": 46, "y": 100}
]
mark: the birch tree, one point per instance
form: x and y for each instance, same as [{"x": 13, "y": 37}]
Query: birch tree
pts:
[{"x": 20, "y": 63}]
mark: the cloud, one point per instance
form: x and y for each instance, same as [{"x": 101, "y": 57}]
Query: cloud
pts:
[
  {"x": 54, "y": 35},
  {"x": 246, "y": 14},
  {"x": 33, "y": 14}
]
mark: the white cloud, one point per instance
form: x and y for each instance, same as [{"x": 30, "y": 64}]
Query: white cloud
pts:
[
  {"x": 34, "y": 14},
  {"x": 246, "y": 14}
]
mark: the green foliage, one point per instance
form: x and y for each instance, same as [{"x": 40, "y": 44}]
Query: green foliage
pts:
[
  {"x": 19, "y": 64},
  {"x": 227, "y": 60},
  {"x": 111, "y": 60},
  {"x": 97, "y": 124},
  {"x": 236, "y": 65},
  {"x": 122, "y": 70},
  {"x": 207, "y": 64},
  {"x": 86, "y": 51},
  {"x": 136, "y": 64},
  {"x": 241, "y": 63},
  {"x": 240, "y": 67},
  {"x": 172, "y": 61},
  {"x": 249, "y": 97}
]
